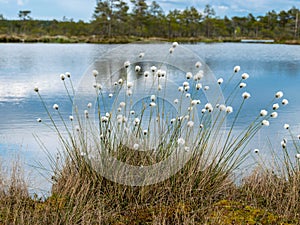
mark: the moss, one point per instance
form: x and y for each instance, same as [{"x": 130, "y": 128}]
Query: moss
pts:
[{"x": 233, "y": 212}]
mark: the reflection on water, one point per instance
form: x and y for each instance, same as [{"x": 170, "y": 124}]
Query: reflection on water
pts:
[{"x": 22, "y": 66}]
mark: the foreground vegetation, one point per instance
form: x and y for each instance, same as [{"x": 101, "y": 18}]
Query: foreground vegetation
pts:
[
  {"x": 113, "y": 21},
  {"x": 262, "y": 198},
  {"x": 203, "y": 191}
]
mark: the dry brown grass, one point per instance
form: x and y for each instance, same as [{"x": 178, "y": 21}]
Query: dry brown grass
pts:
[{"x": 81, "y": 197}]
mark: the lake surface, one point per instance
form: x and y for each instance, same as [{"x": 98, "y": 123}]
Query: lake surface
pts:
[{"x": 22, "y": 66}]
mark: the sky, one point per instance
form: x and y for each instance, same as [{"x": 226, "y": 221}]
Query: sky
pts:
[{"x": 83, "y": 9}]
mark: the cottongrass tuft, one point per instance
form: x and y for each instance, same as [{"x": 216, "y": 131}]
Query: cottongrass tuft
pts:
[
  {"x": 220, "y": 80},
  {"x": 55, "y": 106},
  {"x": 242, "y": 85},
  {"x": 62, "y": 76},
  {"x": 210, "y": 170},
  {"x": 279, "y": 94},
  {"x": 274, "y": 115},
  {"x": 263, "y": 112},
  {"x": 275, "y": 106},
  {"x": 246, "y": 95},
  {"x": 236, "y": 69},
  {"x": 285, "y": 102},
  {"x": 95, "y": 73},
  {"x": 245, "y": 76},
  {"x": 181, "y": 141},
  {"x": 286, "y": 126},
  {"x": 265, "y": 123}
]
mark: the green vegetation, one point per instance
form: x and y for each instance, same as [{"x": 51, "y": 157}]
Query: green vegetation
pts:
[{"x": 112, "y": 21}]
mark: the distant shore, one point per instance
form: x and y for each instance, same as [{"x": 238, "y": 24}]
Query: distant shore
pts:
[{"x": 122, "y": 39}]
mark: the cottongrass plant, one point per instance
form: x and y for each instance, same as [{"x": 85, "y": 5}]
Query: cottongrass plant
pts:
[
  {"x": 133, "y": 120},
  {"x": 275, "y": 184}
]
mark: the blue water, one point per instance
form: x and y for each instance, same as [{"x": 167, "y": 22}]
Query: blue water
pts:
[{"x": 22, "y": 66}]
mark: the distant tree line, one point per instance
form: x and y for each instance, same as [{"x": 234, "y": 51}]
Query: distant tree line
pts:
[{"x": 116, "y": 18}]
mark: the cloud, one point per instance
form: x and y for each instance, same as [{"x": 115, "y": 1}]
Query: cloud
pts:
[{"x": 20, "y": 2}]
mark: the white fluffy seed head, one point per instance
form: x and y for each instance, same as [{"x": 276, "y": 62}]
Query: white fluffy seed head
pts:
[
  {"x": 229, "y": 109},
  {"x": 141, "y": 55},
  {"x": 71, "y": 118},
  {"x": 245, "y": 76},
  {"x": 265, "y": 123},
  {"x": 236, "y": 69},
  {"x": 206, "y": 88},
  {"x": 122, "y": 104},
  {"x": 136, "y": 146},
  {"x": 297, "y": 156},
  {"x": 174, "y": 44},
  {"x": 274, "y": 115},
  {"x": 246, "y": 95},
  {"x": 129, "y": 92},
  {"x": 132, "y": 112},
  {"x": 283, "y": 144},
  {"x": 198, "y": 86},
  {"x": 86, "y": 113},
  {"x": 55, "y": 106},
  {"x": 68, "y": 74},
  {"x": 95, "y": 73},
  {"x": 180, "y": 89},
  {"x": 285, "y": 102},
  {"x": 189, "y": 75},
  {"x": 181, "y": 141},
  {"x": 126, "y": 64},
  {"x": 256, "y": 150},
  {"x": 222, "y": 107},
  {"x": 263, "y": 112},
  {"x": 242, "y": 85},
  {"x": 190, "y": 124},
  {"x": 286, "y": 126},
  {"x": 129, "y": 84},
  {"x": 209, "y": 107},
  {"x": 198, "y": 64},
  {"x": 279, "y": 94},
  {"x": 153, "y": 69},
  {"x": 137, "y": 68},
  {"x": 153, "y": 98},
  {"x": 176, "y": 101},
  {"x": 185, "y": 84},
  {"x": 152, "y": 104},
  {"x": 39, "y": 120},
  {"x": 199, "y": 75},
  {"x": 220, "y": 80},
  {"x": 145, "y": 132},
  {"x": 275, "y": 106},
  {"x": 62, "y": 76},
  {"x": 194, "y": 102},
  {"x": 36, "y": 89},
  {"x": 137, "y": 121},
  {"x": 171, "y": 50},
  {"x": 104, "y": 119},
  {"x": 146, "y": 73},
  {"x": 187, "y": 95},
  {"x": 89, "y": 105},
  {"x": 120, "y": 81},
  {"x": 110, "y": 95}
]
